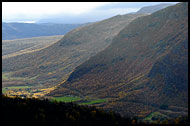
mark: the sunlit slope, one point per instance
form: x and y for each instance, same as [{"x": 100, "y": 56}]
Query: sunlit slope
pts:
[
  {"x": 143, "y": 69},
  {"x": 54, "y": 63},
  {"x": 16, "y": 47}
]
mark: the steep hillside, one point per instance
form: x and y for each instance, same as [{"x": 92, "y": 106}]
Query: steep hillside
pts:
[
  {"x": 144, "y": 69},
  {"x": 26, "y": 30},
  {"x": 54, "y": 63}
]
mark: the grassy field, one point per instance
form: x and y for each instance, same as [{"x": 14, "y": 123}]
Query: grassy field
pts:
[
  {"x": 8, "y": 76},
  {"x": 14, "y": 87},
  {"x": 73, "y": 99},
  {"x": 4, "y": 77},
  {"x": 66, "y": 99},
  {"x": 156, "y": 115},
  {"x": 94, "y": 102}
]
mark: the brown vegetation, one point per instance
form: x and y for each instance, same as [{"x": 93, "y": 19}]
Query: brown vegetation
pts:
[{"x": 142, "y": 72}]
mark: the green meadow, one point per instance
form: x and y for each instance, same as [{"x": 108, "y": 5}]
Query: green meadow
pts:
[
  {"x": 66, "y": 99},
  {"x": 156, "y": 115},
  {"x": 94, "y": 102},
  {"x": 8, "y": 76},
  {"x": 14, "y": 87}
]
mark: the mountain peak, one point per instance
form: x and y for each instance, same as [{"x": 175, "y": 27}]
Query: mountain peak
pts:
[{"x": 152, "y": 9}]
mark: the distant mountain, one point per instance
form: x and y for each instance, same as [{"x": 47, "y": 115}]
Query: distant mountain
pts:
[
  {"x": 27, "y": 30},
  {"x": 71, "y": 19},
  {"x": 144, "y": 70},
  {"x": 51, "y": 65},
  {"x": 152, "y": 9}
]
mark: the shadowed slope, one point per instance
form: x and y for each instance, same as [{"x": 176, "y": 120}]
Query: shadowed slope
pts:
[{"x": 143, "y": 68}]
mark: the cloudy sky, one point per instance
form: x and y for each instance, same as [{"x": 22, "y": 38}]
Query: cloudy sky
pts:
[{"x": 68, "y": 11}]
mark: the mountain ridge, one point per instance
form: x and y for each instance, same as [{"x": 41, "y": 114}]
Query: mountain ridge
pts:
[
  {"x": 54, "y": 63},
  {"x": 126, "y": 66},
  {"x": 154, "y": 8}
]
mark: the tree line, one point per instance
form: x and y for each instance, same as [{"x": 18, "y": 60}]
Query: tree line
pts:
[{"x": 31, "y": 111}]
